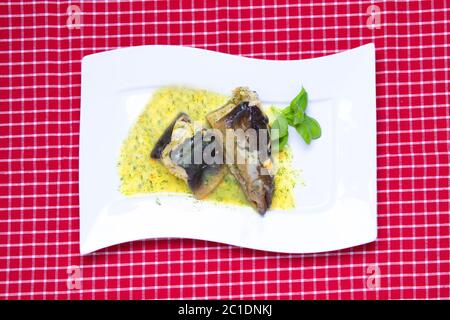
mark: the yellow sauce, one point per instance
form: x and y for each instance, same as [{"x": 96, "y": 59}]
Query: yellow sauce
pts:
[{"x": 139, "y": 174}]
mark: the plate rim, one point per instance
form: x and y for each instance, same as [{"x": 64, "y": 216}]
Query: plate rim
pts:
[{"x": 85, "y": 65}]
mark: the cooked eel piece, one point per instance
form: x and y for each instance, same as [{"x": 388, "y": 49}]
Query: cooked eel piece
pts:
[
  {"x": 243, "y": 111},
  {"x": 175, "y": 149}
]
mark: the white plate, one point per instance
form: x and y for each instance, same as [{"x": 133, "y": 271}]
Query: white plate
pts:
[{"x": 337, "y": 207}]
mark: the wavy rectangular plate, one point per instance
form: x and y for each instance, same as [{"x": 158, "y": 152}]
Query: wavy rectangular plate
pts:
[{"x": 336, "y": 208}]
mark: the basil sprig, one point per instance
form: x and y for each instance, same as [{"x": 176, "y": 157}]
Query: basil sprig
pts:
[{"x": 295, "y": 116}]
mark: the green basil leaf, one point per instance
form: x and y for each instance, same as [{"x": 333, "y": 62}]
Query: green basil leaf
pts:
[
  {"x": 314, "y": 127},
  {"x": 279, "y": 133},
  {"x": 281, "y": 125},
  {"x": 299, "y": 117},
  {"x": 304, "y": 132},
  {"x": 275, "y": 130},
  {"x": 294, "y": 115},
  {"x": 304, "y": 101},
  {"x": 282, "y": 142},
  {"x": 290, "y": 119},
  {"x": 286, "y": 111},
  {"x": 278, "y": 143},
  {"x": 300, "y": 102}
]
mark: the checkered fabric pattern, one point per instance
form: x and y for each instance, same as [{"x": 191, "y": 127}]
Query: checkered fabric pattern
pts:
[{"x": 40, "y": 52}]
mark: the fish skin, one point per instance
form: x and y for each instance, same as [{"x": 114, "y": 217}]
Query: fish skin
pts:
[
  {"x": 201, "y": 178},
  {"x": 243, "y": 111},
  {"x": 166, "y": 137}
]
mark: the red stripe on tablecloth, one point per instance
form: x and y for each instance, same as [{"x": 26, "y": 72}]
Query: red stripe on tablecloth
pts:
[{"x": 39, "y": 113}]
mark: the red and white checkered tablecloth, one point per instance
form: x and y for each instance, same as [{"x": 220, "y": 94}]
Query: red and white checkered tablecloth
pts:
[{"x": 40, "y": 52}]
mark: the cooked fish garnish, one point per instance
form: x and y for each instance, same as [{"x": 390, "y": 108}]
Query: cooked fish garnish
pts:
[
  {"x": 176, "y": 149},
  {"x": 243, "y": 111}
]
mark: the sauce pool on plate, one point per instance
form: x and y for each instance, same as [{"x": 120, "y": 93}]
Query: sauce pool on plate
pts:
[{"x": 139, "y": 174}]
